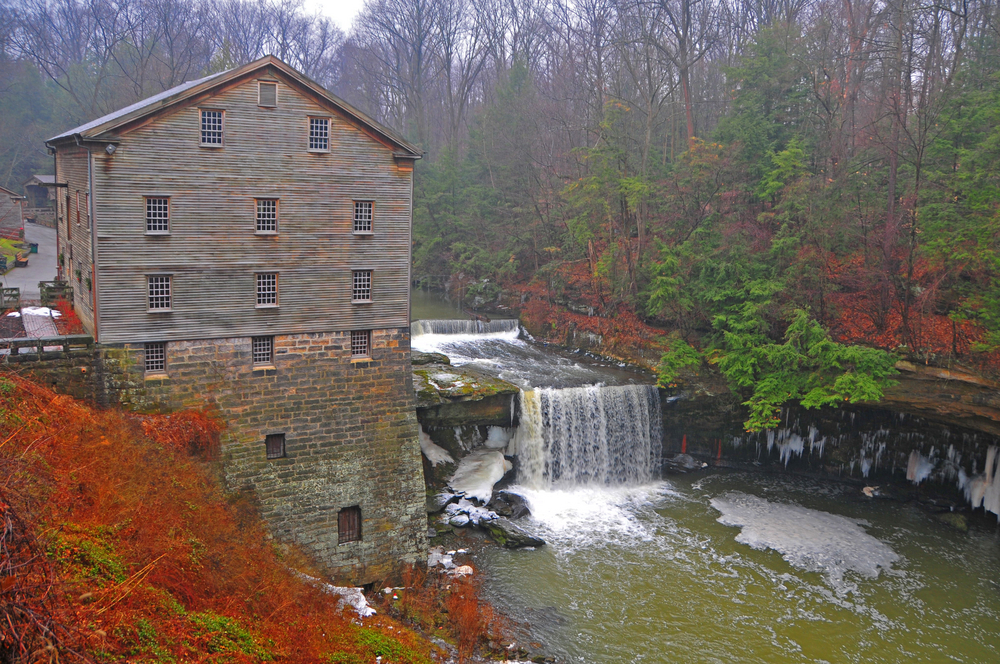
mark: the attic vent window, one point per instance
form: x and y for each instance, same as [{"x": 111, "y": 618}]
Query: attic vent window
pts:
[
  {"x": 267, "y": 94},
  {"x": 211, "y": 128},
  {"x": 319, "y": 134},
  {"x": 275, "y": 444},
  {"x": 349, "y": 525}
]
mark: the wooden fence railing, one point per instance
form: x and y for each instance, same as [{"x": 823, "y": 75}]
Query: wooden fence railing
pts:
[
  {"x": 10, "y": 298},
  {"x": 24, "y": 349},
  {"x": 53, "y": 291}
]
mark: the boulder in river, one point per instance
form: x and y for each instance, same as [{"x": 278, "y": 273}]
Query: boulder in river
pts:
[
  {"x": 508, "y": 504},
  {"x": 437, "y": 502},
  {"x": 682, "y": 463},
  {"x": 418, "y": 358},
  {"x": 508, "y": 535}
]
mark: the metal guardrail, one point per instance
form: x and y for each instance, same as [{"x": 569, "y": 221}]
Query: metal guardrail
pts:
[{"x": 24, "y": 349}]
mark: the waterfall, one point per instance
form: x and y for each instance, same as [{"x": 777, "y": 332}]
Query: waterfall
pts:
[
  {"x": 588, "y": 435},
  {"x": 421, "y": 327}
]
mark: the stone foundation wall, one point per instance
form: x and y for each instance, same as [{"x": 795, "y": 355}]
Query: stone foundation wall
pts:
[{"x": 350, "y": 434}]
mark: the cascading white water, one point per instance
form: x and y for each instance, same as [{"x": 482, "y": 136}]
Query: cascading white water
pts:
[
  {"x": 422, "y": 327},
  {"x": 588, "y": 436}
]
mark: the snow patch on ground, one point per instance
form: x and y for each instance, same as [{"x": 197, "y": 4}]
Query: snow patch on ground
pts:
[
  {"x": 347, "y": 596},
  {"x": 36, "y": 311},
  {"x": 808, "y": 539}
]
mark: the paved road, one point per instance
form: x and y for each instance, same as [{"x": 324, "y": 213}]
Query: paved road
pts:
[{"x": 41, "y": 266}]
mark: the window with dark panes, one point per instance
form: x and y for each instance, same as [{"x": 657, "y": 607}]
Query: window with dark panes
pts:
[
  {"x": 211, "y": 128},
  {"x": 157, "y": 215},
  {"x": 267, "y": 289},
  {"x": 267, "y": 215},
  {"x": 319, "y": 134},
  {"x": 275, "y": 444},
  {"x": 156, "y": 357},
  {"x": 361, "y": 343},
  {"x": 362, "y": 291},
  {"x": 263, "y": 350},
  {"x": 159, "y": 293},
  {"x": 363, "y": 216}
]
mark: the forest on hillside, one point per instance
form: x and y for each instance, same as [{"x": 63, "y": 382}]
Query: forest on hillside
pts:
[{"x": 773, "y": 181}]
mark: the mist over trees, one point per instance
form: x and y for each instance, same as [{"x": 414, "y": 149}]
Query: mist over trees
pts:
[{"x": 715, "y": 166}]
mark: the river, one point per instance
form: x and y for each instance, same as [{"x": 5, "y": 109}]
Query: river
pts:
[{"x": 721, "y": 566}]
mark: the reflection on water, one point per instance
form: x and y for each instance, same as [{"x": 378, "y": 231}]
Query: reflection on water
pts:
[
  {"x": 650, "y": 574},
  {"x": 426, "y": 304}
]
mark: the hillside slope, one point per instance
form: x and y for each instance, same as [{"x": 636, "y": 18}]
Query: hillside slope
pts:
[{"x": 118, "y": 544}]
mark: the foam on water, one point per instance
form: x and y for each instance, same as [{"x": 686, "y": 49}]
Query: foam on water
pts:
[
  {"x": 437, "y": 343},
  {"x": 807, "y": 539},
  {"x": 585, "y": 517}
]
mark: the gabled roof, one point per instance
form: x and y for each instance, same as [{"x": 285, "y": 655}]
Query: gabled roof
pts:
[
  {"x": 10, "y": 193},
  {"x": 150, "y": 104},
  {"x": 42, "y": 179},
  {"x": 111, "y": 125}
]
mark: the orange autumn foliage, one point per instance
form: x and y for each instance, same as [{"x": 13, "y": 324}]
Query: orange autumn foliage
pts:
[{"x": 118, "y": 545}]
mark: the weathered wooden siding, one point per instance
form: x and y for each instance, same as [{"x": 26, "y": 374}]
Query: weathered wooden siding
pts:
[
  {"x": 74, "y": 230},
  {"x": 10, "y": 212},
  {"x": 212, "y": 252}
]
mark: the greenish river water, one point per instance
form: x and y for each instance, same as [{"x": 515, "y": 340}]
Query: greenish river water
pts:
[
  {"x": 716, "y": 566},
  {"x": 649, "y": 574}
]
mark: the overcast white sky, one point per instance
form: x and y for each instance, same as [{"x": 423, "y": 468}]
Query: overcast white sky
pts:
[{"x": 341, "y": 11}]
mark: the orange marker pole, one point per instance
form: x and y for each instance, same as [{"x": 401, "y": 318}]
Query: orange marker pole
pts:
[
  {"x": 684, "y": 444},
  {"x": 719, "y": 455}
]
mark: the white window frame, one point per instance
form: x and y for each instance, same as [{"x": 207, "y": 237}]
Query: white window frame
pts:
[
  {"x": 258, "y": 283},
  {"x": 359, "y": 337},
  {"x": 370, "y": 220},
  {"x": 254, "y": 341},
  {"x": 260, "y": 85},
  {"x": 146, "y": 200},
  {"x": 201, "y": 127},
  {"x": 257, "y": 217},
  {"x": 169, "y": 293},
  {"x": 355, "y": 274},
  {"x": 162, "y": 349},
  {"x": 309, "y": 133}
]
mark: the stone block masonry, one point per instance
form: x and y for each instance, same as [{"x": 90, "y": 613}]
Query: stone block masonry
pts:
[{"x": 350, "y": 436}]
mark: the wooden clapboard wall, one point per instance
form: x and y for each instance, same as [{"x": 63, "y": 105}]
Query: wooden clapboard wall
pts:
[
  {"x": 212, "y": 252},
  {"x": 74, "y": 228}
]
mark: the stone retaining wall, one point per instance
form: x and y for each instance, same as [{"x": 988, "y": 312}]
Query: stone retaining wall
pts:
[{"x": 350, "y": 432}]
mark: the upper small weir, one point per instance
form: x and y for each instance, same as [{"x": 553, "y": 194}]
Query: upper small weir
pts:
[{"x": 422, "y": 327}]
